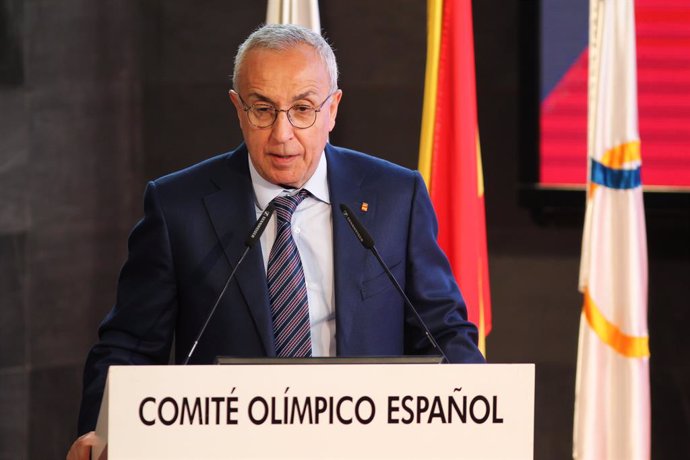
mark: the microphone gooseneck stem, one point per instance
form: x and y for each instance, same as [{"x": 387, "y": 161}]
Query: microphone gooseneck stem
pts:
[
  {"x": 213, "y": 310},
  {"x": 433, "y": 341},
  {"x": 368, "y": 242},
  {"x": 254, "y": 235}
]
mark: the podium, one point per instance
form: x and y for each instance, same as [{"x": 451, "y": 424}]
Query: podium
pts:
[{"x": 318, "y": 411}]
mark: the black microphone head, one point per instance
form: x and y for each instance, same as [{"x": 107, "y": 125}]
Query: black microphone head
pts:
[
  {"x": 260, "y": 225},
  {"x": 357, "y": 228}
]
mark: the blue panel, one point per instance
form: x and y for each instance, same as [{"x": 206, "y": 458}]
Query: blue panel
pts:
[{"x": 564, "y": 35}]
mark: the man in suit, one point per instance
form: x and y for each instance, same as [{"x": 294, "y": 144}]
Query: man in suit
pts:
[{"x": 196, "y": 220}]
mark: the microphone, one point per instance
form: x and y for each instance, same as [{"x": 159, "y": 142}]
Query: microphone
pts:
[
  {"x": 368, "y": 242},
  {"x": 252, "y": 238}
]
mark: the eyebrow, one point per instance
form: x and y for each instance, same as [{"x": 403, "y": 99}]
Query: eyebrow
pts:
[
  {"x": 260, "y": 97},
  {"x": 304, "y": 95},
  {"x": 263, "y": 98}
]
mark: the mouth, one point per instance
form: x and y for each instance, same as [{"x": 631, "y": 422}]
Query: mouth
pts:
[{"x": 282, "y": 157}]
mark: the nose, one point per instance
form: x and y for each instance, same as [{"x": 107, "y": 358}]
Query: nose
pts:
[{"x": 282, "y": 131}]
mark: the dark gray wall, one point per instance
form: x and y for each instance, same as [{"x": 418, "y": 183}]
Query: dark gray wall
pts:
[
  {"x": 69, "y": 175},
  {"x": 109, "y": 94}
]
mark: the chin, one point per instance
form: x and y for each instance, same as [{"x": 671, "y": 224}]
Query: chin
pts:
[{"x": 282, "y": 180}]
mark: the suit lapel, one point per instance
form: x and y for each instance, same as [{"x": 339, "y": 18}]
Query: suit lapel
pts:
[
  {"x": 347, "y": 185},
  {"x": 231, "y": 210}
]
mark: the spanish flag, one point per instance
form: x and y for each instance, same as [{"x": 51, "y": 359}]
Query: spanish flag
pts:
[
  {"x": 612, "y": 401},
  {"x": 449, "y": 154}
]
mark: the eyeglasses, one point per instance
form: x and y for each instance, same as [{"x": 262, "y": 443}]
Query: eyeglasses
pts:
[{"x": 264, "y": 115}]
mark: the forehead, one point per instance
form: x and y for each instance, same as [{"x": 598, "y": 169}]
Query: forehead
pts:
[{"x": 284, "y": 73}]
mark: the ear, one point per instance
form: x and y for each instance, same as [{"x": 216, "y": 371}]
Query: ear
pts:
[
  {"x": 333, "y": 108},
  {"x": 235, "y": 98}
]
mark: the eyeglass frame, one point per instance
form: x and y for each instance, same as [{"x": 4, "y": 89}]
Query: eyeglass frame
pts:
[{"x": 246, "y": 108}]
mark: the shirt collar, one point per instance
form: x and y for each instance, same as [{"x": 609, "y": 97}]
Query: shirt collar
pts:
[{"x": 265, "y": 192}]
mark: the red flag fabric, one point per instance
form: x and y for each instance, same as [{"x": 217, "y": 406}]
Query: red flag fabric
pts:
[{"x": 452, "y": 165}]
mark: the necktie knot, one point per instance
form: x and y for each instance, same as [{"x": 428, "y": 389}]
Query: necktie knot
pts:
[{"x": 286, "y": 205}]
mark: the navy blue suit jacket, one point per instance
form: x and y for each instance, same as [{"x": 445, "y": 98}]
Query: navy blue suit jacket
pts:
[{"x": 193, "y": 232}]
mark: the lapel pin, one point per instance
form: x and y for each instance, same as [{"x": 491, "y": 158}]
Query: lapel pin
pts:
[{"x": 364, "y": 207}]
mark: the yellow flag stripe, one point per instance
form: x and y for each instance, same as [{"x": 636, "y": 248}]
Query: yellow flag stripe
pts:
[
  {"x": 426, "y": 141},
  {"x": 482, "y": 324},
  {"x": 627, "y": 345}
]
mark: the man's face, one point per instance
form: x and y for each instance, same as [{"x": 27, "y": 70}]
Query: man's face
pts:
[{"x": 283, "y": 154}]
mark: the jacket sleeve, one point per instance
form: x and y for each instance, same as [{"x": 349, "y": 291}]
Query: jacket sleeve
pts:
[
  {"x": 140, "y": 327},
  {"x": 432, "y": 289}
]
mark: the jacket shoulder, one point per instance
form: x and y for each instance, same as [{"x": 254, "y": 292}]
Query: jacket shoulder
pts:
[
  {"x": 205, "y": 176},
  {"x": 368, "y": 164}
]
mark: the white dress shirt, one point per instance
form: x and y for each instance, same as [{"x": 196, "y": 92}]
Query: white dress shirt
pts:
[{"x": 312, "y": 230}]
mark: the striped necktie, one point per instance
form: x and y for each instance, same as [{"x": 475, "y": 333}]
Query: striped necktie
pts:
[{"x": 287, "y": 289}]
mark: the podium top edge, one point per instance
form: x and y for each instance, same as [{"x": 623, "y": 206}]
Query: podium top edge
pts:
[{"x": 229, "y": 360}]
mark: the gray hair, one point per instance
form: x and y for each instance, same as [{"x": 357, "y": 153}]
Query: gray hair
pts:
[{"x": 281, "y": 37}]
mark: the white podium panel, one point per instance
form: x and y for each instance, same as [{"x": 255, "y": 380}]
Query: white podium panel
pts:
[{"x": 341, "y": 411}]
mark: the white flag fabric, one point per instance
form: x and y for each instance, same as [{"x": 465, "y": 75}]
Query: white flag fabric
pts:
[
  {"x": 612, "y": 402},
  {"x": 301, "y": 12}
]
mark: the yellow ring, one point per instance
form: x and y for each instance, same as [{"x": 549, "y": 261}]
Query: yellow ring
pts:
[{"x": 627, "y": 345}]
